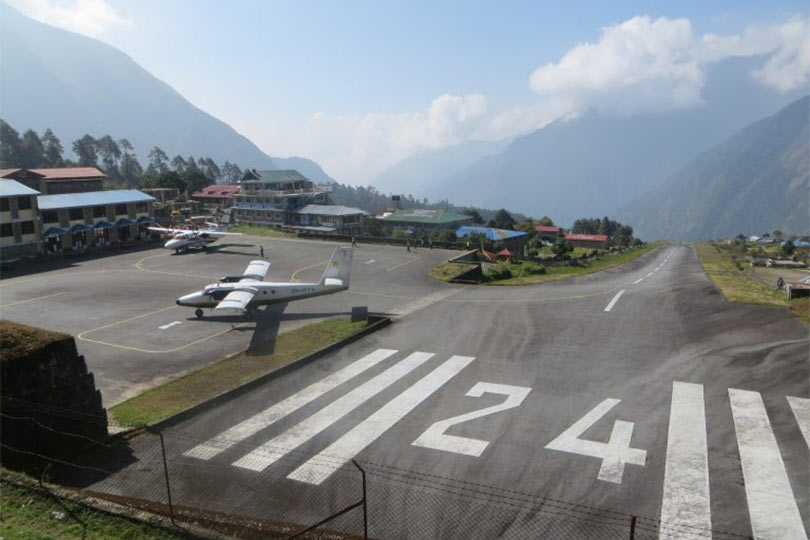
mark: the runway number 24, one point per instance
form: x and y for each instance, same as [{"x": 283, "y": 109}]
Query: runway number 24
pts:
[{"x": 614, "y": 454}]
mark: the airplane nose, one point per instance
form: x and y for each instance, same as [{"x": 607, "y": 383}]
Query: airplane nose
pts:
[{"x": 173, "y": 244}]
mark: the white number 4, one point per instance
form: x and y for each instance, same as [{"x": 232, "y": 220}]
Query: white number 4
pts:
[{"x": 614, "y": 454}]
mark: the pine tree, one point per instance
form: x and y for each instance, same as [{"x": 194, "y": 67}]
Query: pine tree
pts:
[
  {"x": 86, "y": 149},
  {"x": 9, "y": 147},
  {"x": 53, "y": 149}
]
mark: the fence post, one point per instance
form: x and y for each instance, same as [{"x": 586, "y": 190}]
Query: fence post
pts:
[
  {"x": 365, "y": 501},
  {"x": 166, "y": 474},
  {"x": 632, "y": 527}
]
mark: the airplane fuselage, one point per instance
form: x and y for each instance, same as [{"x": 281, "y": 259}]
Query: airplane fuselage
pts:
[{"x": 266, "y": 293}]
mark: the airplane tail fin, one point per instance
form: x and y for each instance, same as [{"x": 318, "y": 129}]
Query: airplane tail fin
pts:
[{"x": 338, "y": 269}]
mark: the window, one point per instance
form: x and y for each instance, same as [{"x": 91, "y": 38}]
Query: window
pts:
[
  {"x": 24, "y": 203},
  {"x": 120, "y": 209},
  {"x": 76, "y": 213},
  {"x": 27, "y": 227},
  {"x": 50, "y": 216},
  {"x": 4, "y": 204},
  {"x": 99, "y": 211},
  {"x": 6, "y": 230},
  {"x": 141, "y": 207}
]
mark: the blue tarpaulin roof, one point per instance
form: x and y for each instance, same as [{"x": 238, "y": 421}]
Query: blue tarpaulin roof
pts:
[
  {"x": 124, "y": 221},
  {"x": 92, "y": 198},
  {"x": 53, "y": 231},
  {"x": 79, "y": 227},
  {"x": 103, "y": 225},
  {"x": 489, "y": 232}
]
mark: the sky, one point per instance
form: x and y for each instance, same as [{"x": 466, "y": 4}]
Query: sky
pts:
[{"x": 360, "y": 85}]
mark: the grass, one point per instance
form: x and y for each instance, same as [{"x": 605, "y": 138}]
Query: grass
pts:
[
  {"x": 19, "y": 340},
  {"x": 26, "y": 515},
  {"x": 179, "y": 394},
  {"x": 554, "y": 273},
  {"x": 729, "y": 271},
  {"x": 261, "y": 231},
  {"x": 448, "y": 270}
]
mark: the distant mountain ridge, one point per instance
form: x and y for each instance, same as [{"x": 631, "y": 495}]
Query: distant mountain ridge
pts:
[
  {"x": 594, "y": 164},
  {"x": 77, "y": 85},
  {"x": 756, "y": 181}
]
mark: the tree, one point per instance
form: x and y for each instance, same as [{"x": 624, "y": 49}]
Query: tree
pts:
[
  {"x": 562, "y": 248},
  {"x": 231, "y": 172},
  {"x": 545, "y": 220},
  {"x": 179, "y": 164},
  {"x": 503, "y": 220},
  {"x": 474, "y": 214},
  {"x": 110, "y": 155},
  {"x": 158, "y": 161},
  {"x": 9, "y": 146},
  {"x": 32, "y": 153},
  {"x": 788, "y": 248},
  {"x": 168, "y": 179},
  {"x": 53, "y": 149},
  {"x": 130, "y": 169},
  {"x": 87, "y": 151},
  {"x": 195, "y": 180},
  {"x": 211, "y": 170},
  {"x": 777, "y": 234}
]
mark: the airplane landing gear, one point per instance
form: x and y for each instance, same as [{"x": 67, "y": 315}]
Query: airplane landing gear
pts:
[{"x": 199, "y": 313}]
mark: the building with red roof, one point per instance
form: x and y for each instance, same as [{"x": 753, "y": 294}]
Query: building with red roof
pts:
[
  {"x": 58, "y": 180},
  {"x": 549, "y": 232},
  {"x": 587, "y": 240},
  {"x": 221, "y": 196}
]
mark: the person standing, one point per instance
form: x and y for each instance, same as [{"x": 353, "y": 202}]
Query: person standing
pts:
[{"x": 261, "y": 252}]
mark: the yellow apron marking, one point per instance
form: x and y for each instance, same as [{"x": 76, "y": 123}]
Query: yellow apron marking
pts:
[{"x": 33, "y": 299}]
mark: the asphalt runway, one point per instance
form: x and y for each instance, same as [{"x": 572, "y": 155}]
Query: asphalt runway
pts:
[
  {"x": 524, "y": 412},
  {"x": 121, "y": 307}
]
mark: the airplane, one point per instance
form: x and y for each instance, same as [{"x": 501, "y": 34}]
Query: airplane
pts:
[
  {"x": 245, "y": 292},
  {"x": 183, "y": 239}
]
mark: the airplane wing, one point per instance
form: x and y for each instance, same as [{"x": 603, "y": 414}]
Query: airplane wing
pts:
[
  {"x": 219, "y": 233},
  {"x": 255, "y": 271},
  {"x": 167, "y": 231},
  {"x": 238, "y": 299}
]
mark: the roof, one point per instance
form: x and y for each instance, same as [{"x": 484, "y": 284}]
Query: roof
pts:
[
  {"x": 586, "y": 237},
  {"x": 92, "y": 198},
  {"x": 274, "y": 176},
  {"x": 61, "y": 173},
  {"x": 425, "y": 216},
  {"x": 330, "y": 210},
  {"x": 489, "y": 232},
  {"x": 12, "y": 188},
  {"x": 548, "y": 228},
  {"x": 217, "y": 191}
]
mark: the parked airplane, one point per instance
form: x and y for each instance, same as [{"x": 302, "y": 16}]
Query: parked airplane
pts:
[
  {"x": 183, "y": 239},
  {"x": 247, "y": 291}
]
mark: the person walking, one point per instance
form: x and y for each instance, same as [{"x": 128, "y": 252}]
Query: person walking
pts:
[
  {"x": 261, "y": 252},
  {"x": 408, "y": 245},
  {"x": 354, "y": 241}
]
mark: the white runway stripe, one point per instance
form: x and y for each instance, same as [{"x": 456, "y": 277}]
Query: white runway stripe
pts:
[
  {"x": 614, "y": 300},
  {"x": 801, "y": 410},
  {"x": 321, "y": 467},
  {"x": 686, "y": 508},
  {"x": 259, "y": 421},
  {"x": 639, "y": 280},
  {"x": 276, "y": 448},
  {"x": 773, "y": 510},
  {"x": 651, "y": 273}
]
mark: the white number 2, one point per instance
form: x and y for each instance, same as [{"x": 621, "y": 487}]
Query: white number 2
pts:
[
  {"x": 435, "y": 437},
  {"x": 614, "y": 454}
]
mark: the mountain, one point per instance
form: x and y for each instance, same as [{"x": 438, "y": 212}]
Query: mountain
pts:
[
  {"x": 594, "y": 164},
  {"x": 756, "y": 181},
  {"x": 52, "y": 78},
  {"x": 416, "y": 174}
]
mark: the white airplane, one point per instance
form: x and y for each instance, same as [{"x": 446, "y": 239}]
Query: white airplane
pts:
[
  {"x": 245, "y": 292},
  {"x": 183, "y": 239}
]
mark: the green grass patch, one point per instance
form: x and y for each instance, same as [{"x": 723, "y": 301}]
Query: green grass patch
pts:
[
  {"x": 183, "y": 392},
  {"x": 261, "y": 231},
  {"x": 448, "y": 270},
  {"x": 26, "y": 515},
  {"x": 554, "y": 273}
]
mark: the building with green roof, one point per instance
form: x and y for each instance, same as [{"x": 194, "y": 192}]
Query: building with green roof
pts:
[
  {"x": 424, "y": 219},
  {"x": 273, "y": 197}
]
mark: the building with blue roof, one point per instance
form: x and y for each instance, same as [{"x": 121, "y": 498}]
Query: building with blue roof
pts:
[
  {"x": 19, "y": 226},
  {"x": 513, "y": 240},
  {"x": 81, "y": 221}
]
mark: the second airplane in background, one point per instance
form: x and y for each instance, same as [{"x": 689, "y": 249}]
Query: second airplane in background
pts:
[{"x": 183, "y": 239}]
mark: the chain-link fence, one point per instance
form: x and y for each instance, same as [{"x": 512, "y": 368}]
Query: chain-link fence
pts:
[{"x": 151, "y": 471}]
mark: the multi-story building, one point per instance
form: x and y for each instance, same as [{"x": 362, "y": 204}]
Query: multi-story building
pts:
[
  {"x": 273, "y": 197},
  {"x": 19, "y": 226},
  {"x": 56, "y": 181},
  {"x": 320, "y": 218}
]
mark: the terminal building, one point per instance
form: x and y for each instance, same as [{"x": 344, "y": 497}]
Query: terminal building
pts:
[
  {"x": 272, "y": 198},
  {"x": 424, "y": 220},
  {"x": 330, "y": 219},
  {"x": 19, "y": 223}
]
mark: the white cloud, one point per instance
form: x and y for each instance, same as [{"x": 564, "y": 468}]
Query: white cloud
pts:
[
  {"x": 90, "y": 17},
  {"x": 646, "y": 64},
  {"x": 356, "y": 149}
]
